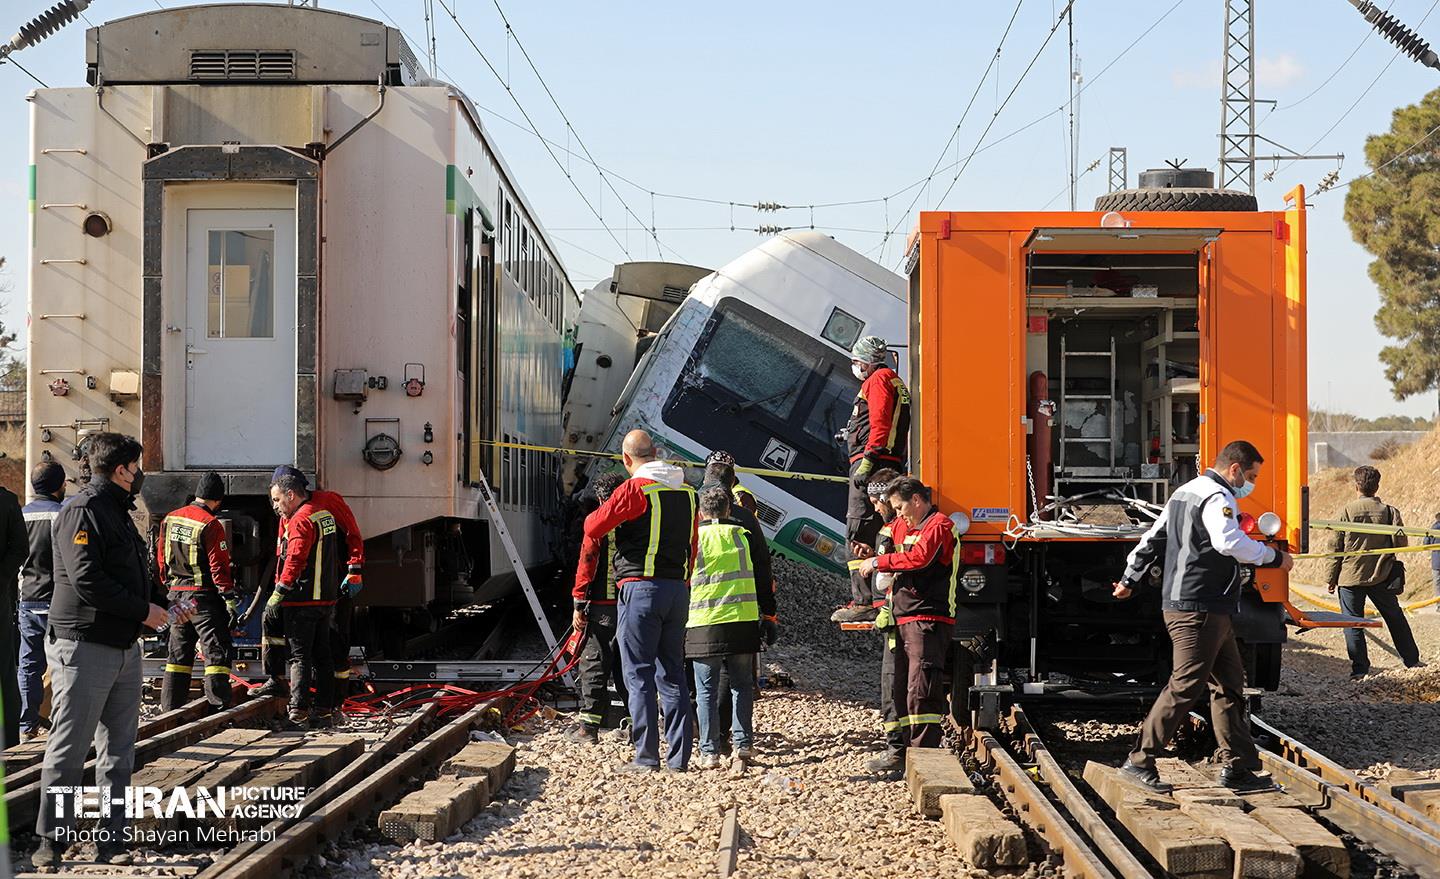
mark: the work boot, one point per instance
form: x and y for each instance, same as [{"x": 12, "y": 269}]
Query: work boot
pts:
[
  {"x": 633, "y": 768},
  {"x": 48, "y": 856},
  {"x": 853, "y": 613},
  {"x": 585, "y": 734},
  {"x": 296, "y": 719},
  {"x": 322, "y": 720},
  {"x": 1243, "y": 780},
  {"x": 113, "y": 851},
  {"x": 708, "y": 761},
  {"x": 1146, "y": 777},
  {"x": 890, "y": 761},
  {"x": 738, "y": 765},
  {"x": 272, "y": 687}
]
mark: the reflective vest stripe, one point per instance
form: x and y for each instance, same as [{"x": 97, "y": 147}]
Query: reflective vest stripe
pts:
[
  {"x": 656, "y": 513},
  {"x": 610, "y": 568},
  {"x": 918, "y": 719},
  {"x": 722, "y": 589}
]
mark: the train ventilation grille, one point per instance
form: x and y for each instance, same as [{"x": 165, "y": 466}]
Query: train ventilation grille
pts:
[
  {"x": 674, "y": 294},
  {"x": 241, "y": 65},
  {"x": 768, "y": 514}
]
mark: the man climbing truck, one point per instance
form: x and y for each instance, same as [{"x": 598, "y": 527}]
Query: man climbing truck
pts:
[{"x": 1069, "y": 371}]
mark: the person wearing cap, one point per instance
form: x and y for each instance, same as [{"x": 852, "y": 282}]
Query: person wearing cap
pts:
[
  {"x": 194, "y": 563},
  {"x": 876, "y": 436},
  {"x": 274, "y": 652},
  {"x": 896, "y": 736},
  {"x": 739, "y": 494},
  {"x": 37, "y": 584}
]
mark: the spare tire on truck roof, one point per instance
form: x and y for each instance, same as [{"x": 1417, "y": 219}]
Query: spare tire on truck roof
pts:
[{"x": 1176, "y": 189}]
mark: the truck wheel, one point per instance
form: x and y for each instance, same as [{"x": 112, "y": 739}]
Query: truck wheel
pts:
[
  {"x": 1262, "y": 664},
  {"x": 1176, "y": 199}
]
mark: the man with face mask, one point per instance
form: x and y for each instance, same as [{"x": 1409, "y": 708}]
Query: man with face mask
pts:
[
  {"x": 99, "y": 609},
  {"x": 876, "y": 436},
  {"x": 1200, "y": 545}
]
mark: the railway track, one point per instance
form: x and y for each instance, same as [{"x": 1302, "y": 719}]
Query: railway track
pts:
[
  {"x": 346, "y": 781},
  {"x": 1090, "y": 840}
]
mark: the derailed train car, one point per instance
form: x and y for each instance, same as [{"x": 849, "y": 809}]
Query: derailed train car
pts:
[{"x": 262, "y": 236}]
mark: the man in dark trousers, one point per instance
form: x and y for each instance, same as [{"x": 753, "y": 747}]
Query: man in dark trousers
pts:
[
  {"x": 652, "y": 517},
  {"x": 923, "y": 601},
  {"x": 100, "y": 607},
  {"x": 1362, "y": 578},
  {"x": 595, "y": 610},
  {"x": 1200, "y": 544},
  {"x": 37, "y": 584},
  {"x": 896, "y": 738},
  {"x": 12, "y": 556},
  {"x": 876, "y": 436},
  {"x": 273, "y": 655},
  {"x": 194, "y": 562},
  {"x": 306, "y": 587}
]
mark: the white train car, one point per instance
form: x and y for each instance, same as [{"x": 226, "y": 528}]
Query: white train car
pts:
[
  {"x": 262, "y": 236},
  {"x": 756, "y": 361}
]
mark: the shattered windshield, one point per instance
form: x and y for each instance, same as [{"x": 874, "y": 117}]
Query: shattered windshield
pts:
[{"x": 769, "y": 394}]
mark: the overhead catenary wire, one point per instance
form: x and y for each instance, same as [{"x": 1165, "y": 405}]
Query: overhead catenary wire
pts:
[
  {"x": 1348, "y": 110},
  {"x": 955, "y": 132},
  {"x": 1392, "y": 160},
  {"x": 521, "y": 107},
  {"x": 1277, "y": 108},
  {"x": 25, "y": 71}
]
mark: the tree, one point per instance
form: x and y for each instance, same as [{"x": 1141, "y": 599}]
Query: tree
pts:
[
  {"x": 1395, "y": 214},
  {"x": 12, "y": 367}
]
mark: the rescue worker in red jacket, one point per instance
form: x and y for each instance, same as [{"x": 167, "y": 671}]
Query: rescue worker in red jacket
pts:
[
  {"x": 306, "y": 588},
  {"x": 876, "y": 436},
  {"x": 595, "y": 610},
  {"x": 194, "y": 564},
  {"x": 273, "y": 656},
  {"x": 923, "y": 598},
  {"x": 653, "y": 519}
]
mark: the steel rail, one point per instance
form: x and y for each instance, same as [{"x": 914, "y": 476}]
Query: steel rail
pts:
[
  {"x": 1407, "y": 844},
  {"x": 344, "y": 780},
  {"x": 1036, "y": 810},
  {"x": 285, "y": 854},
  {"x": 1125, "y": 863},
  {"x": 22, "y": 803},
  {"x": 1328, "y": 770}
]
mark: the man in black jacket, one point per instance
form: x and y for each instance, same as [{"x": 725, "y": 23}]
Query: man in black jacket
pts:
[
  {"x": 12, "y": 556},
  {"x": 37, "y": 584},
  {"x": 100, "y": 606}
]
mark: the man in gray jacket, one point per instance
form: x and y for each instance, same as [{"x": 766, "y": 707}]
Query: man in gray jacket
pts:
[{"x": 1199, "y": 539}]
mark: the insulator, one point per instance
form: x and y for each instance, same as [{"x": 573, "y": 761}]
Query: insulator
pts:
[
  {"x": 1404, "y": 38},
  {"x": 45, "y": 24}
]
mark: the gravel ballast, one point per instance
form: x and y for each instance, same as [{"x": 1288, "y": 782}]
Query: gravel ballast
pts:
[{"x": 807, "y": 807}]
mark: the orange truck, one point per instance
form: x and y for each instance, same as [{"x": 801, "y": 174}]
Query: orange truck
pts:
[{"x": 1069, "y": 371}]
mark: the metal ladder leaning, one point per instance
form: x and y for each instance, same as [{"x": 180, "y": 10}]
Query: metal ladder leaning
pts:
[{"x": 526, "y": 586}]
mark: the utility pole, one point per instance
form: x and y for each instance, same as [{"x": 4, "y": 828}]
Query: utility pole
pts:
[
  {"x": 1237, "y": 104},
  {"x": 1119, "y": 169}
]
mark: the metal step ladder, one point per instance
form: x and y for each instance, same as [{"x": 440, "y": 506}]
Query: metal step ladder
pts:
[
  {"x": 1105, "y": 401},
  {"x": 518, "y": 564}
]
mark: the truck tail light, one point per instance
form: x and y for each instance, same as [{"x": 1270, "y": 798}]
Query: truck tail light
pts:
[{"x": 982, "y": 554}]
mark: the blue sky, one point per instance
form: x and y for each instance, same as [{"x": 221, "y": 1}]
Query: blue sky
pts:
[{"x": 803, "y": 103}]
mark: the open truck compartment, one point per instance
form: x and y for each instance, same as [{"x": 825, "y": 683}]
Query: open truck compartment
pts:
[{"x": 1070, "y": 370}]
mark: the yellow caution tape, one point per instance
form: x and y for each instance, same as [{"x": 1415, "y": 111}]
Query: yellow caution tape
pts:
[
  {"x": 1384, "y": 550},
  {"x": 1331, "y": 606},
  {"x": 758, "y": 471},
  {"x": 1369, "y": 528}
]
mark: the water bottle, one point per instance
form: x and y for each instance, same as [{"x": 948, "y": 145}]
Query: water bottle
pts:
[{"x": 180, "y": 608}]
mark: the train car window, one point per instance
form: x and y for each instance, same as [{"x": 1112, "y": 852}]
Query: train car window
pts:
[
  {"x": 525, "y": 261},
  {"x": 241, "y": 297},
  {"x": 509, "y": 240},
  {"x": 771, "y": 395},
  {"x": 506, "y": 490}
]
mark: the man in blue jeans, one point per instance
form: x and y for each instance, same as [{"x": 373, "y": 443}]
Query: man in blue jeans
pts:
[
  {"x": 1433, "y": 540},
  {"x": 652, "y": 517},
  {"x": 37, "y": 583}
]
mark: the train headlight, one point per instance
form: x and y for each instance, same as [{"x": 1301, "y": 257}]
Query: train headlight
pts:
[
  {"x": 1270, "y": 524},
  {"x": 973, "y": 580}
]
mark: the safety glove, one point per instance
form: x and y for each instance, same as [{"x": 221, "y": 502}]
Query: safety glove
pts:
[{"x": 769, "y": 630}]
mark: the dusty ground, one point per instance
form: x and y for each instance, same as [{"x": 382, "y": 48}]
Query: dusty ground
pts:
[{"x": 1389, "y": 719}]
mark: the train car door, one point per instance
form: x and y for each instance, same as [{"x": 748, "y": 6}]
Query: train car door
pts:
[{"x": 240, "y": 338}]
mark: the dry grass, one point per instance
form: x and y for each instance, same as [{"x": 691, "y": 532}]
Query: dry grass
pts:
[
  {"x": 12, "y": 466},
  {"x": 1410, "y": 481}
]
